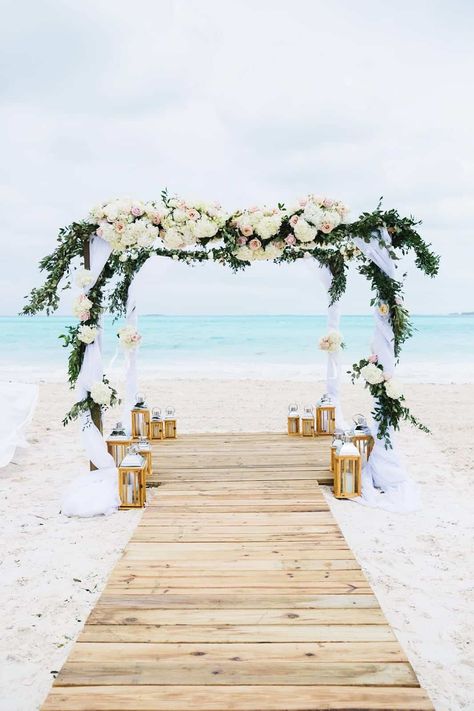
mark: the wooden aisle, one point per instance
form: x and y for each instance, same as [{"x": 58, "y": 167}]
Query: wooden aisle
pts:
[{"x": 237, "y": 591}]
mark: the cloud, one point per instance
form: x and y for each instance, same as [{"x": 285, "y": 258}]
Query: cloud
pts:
[{"x": 244, "y": 102}]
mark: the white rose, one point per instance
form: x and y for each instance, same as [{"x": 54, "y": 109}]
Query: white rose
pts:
[
  {"x": 87, "y": 334},
  {"x": 372, "y": 374},
  {"x": 304, "y": 232},
  {"x": 81, "y": 307},
  {"x": 84, "y": 278},
  {"x": 393, "y": 389},
  {"x": 101, "y": 393}
]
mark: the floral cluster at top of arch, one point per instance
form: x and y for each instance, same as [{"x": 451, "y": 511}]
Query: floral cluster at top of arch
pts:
[
  {"x": 256, "y": 233},
  {"x": 315, "y": 227}
]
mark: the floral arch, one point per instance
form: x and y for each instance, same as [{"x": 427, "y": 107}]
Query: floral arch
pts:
[{"x": 107, "y": 250}]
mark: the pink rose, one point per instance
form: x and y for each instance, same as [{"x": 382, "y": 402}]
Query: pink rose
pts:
[
  {"x": 326, "y": 227},
  {"x": 254, "y": 208},
  {"x": 241, "y": 240},
  {"x": 373, "y": 358},
  {"x": 136, "y": 211},
  {"x": 293, "y": 220},
  {"x": 303, "y": 202},
  {"x": 247, "y": 230},
  {"x": 255, "y": 244},
  {"x": 119, "y": 226},
  {"x": 193, "y": 214},
  {"x": 291, "y": 239},
  {"x": 85, "y": 316},
  {"x": 327, "y": 202}
]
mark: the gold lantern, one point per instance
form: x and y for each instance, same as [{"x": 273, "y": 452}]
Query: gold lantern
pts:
[
  {"x": 156, "y": 425},
  {"x": 293, "y": 420},
  {"x": 361, "y": 437},
  {"x": 169, "y": 424},
  {"x": 140, "y": 418},
  {"x": 307, "y": 421},
  {"x": 118, "y": 443},
  {"x": 132, "y": 481},
  {"x": 337, "y": 442},
  {"x": 325, "y": 417},
  {"x": 143, "y": 448},
  {"x": 347, "y": 472}
]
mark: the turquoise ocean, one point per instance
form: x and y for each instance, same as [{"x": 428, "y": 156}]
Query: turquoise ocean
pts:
[{"x": 267, "y": 346}]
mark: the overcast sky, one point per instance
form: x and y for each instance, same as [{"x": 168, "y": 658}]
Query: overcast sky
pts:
[{"x": 241, "y": 101}]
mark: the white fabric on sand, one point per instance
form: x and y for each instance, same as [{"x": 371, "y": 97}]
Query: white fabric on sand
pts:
[
  {"x": 92, "y": 494},
  {"x": 17, "y": 405},
  {"x": 93, "y": 491}
]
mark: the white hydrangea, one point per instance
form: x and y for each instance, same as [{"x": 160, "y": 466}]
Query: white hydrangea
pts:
[
  {"x": 304, "y": 232},
  {"x": 101, "y": 393},
  {"x": 393, "y": 389},
  {"x": 245, "y": 254},
  {"x": 372, "y": 374},
  {"x": 173, "y": 239},
  {"x": 269, "y": 226},
  {"x": 84, "y": 278},
  {"x": 87, "y": 334},
  {"x": 273, "y": 251}
]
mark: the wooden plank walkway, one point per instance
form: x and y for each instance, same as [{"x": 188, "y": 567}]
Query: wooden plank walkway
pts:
[{"x": 237, "y": 591}]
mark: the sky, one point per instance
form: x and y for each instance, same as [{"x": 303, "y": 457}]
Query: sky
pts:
[{"x": 245, "y": 102}]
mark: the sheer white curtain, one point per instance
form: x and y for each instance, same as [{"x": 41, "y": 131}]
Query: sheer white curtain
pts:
[
  {"x": 385, "y": 471},
  {"x": 96, "y": 492}
]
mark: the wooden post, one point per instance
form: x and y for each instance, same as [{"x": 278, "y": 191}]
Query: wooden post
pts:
[{"x": 96, "y": 414}]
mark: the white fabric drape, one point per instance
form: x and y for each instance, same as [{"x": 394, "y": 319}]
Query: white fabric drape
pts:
[
  {"x": 17, "y": 404},
  {"x": 385, "y": 472},
  {"x": 131, "y": 375},
  {"x": 333, "y": 372},
  {"x": 77, "y": 501}
]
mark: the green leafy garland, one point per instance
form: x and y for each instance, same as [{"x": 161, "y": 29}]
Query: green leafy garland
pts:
[
  {"x": 389, "y": 411},
  {"x": 335, "y": 250}
]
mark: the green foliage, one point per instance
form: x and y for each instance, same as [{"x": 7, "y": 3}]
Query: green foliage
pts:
[
  {"x": 57, "y": 265},
  {"x": 388, "y": 412}
]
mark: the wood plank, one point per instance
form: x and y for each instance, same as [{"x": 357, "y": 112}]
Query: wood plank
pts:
[
  {"x": 230, "y": 634},
  {"x": 234, "y": 672},
  {"x": 237, "y": 592},
  {"x": 238, "y": 698},
  {"x": 200, "y": 599},
  {"x": 286, "y": 617}
]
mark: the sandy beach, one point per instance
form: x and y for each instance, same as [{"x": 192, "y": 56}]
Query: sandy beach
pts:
[{"x": 54, "y": 568}]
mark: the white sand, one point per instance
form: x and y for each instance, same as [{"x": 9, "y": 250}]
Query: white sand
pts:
[{"x": 53, "y": 568}]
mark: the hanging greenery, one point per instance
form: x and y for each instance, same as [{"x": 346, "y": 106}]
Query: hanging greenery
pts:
[{"x": 314, "y": 228}]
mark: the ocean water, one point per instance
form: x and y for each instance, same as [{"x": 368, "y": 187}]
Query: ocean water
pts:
[{"x": 441, "y": 350}]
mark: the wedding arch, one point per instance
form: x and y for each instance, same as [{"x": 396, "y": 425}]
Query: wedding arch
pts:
[{"x": 106, "y": 251}]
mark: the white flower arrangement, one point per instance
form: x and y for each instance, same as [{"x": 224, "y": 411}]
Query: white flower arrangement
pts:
[
  {"x": 125, "y": 223},
  {"x": 186, "y": 224},
  {"x": 393, "y": 388},
  {"x": 81, "y": 307},
  {"x": 87, "y": 334},
  {"x": 101, "y": 393},
  {"x": 84, "y": 278},
  {"x": 332, "y": 342},
  {"x": 129, "y": 337},
  {"x": 372, "y": 374}
]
